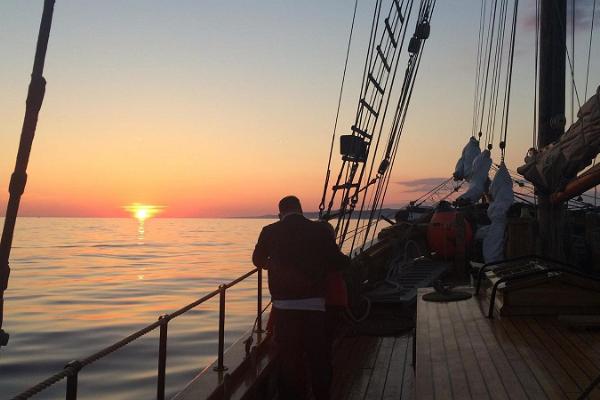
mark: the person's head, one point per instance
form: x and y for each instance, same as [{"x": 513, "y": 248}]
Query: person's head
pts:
[{"x": 289, "y": 205}]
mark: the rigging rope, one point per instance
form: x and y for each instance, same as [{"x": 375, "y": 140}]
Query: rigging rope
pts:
[
  {"x": 570, "y": 61},
  {"x": 496, "y": 73},
  {"x": 425, "y": 13},
  {"x": 380, "y": 64},
  {"x": 337, "y": 113},
  {"x": 573, "y": 51},
  {"x": 536, "y": 69},
  {"x": 478, "y": 68},
  {"x": 369, "y": 179},
  {"x": 509, "y": 80},
  {"x": 488, "y": 58},
  {"x": 587, "y": 74},
  {"x": 391, "y": 42}
]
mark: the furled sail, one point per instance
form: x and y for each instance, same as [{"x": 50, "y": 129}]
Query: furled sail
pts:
[
  {"x": 480, "y": 169},
  {"x": 502, "y": 194},
  {"x": 552, "y": 167},
  {"x": 464, "y": 164}
]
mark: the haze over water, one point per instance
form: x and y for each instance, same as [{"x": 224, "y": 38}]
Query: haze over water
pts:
[{"x": 78, "y": 285}]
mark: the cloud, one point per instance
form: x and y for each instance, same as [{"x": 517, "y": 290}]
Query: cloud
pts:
[
  {"x": 583, "y": 15},
  {"x": 421, "y": 184}
]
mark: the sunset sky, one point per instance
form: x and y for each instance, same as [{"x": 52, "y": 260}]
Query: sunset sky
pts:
[{"x": 212, "y": 108}]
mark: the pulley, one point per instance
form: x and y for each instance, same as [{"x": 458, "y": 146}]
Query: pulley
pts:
[
  {"x": 414, "y": 45},
  {"x": 423, "y": 30},
  {"x": 385, "y": 163}
]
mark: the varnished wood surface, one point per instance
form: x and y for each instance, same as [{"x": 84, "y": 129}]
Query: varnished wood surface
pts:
[
  {"x": 369, "y": 368},
  {"x": 461, "y": 354}
]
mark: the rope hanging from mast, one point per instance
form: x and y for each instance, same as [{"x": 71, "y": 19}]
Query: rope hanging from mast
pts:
[
  {"x": 337, "y": 113},
  {"x": 18, "y": 180},
  {"x": 488, "y": 90},
  {"x": 506, "y": 109},
  {"x": 536, "y": 51},
  {"x": 380, "y": 67},
  {"x": 386, "y": 165},
  {"x": 479, "y": 59}
]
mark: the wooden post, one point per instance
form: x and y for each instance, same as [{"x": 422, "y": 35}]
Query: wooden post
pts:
[{"x": 551, "y": 112}]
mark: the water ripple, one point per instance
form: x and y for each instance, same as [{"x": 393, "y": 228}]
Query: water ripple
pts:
[{"x": 78, "y": 285}]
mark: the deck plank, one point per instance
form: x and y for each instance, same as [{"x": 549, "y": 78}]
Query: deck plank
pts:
[
  {"x": 380, "y": 369},
  {"x": 394, "y": 380},
  {"x": 525, "y": 375},
  {"x": 441, "y": 377},
  {"x": 491, "y": 377},
  {"x": 560, "y": 336},
  {"x": 458, "y": 375},
  {"x": 477, "y": 386},
  {"x": 505, "y": 369},
  {"x": 507, "y": 358},
  {"x": 566, "y": 382},
  {"x": 346, "y": 372},
  {"x": 424, "y": 385},
  {"x": 562, "y": 358},
  {"x": 373, "y": 368},
  {"x": 577, "y": 341},
  {"x": 344, "y": 362},
  {"x": 408, "y": 379},
  {"x": 544, "y": 378}
]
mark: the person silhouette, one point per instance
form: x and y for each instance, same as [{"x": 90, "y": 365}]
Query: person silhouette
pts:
[{"x": 297, "y": 253}]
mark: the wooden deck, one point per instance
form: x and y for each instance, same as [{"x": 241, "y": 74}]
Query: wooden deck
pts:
[
  {"x": 373, "y": 368},
  {"x": 461, "y": 354}
]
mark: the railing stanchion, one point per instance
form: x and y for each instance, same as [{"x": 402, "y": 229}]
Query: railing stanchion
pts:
[
  {"x": 259, "y": 308},
  {"x": 71, "y": 370},
  {"x": 74, "y": 366},
  {"x": 220, "y": 367},
  {"x": 162, "y": 357}
]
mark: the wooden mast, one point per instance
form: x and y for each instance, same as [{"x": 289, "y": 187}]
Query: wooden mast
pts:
[{"x": 551, "y": 113}]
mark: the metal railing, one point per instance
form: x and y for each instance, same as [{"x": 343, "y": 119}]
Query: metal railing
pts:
[{"x": 72, "y": 369}]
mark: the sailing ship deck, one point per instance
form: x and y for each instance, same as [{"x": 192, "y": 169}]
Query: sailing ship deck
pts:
[
  {"x": 373, "y": 368},
  {"x": 461, "y": 354}
]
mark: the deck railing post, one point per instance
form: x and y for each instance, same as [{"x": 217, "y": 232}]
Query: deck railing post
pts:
[
  {"x": 220, "y": 367},
  {"x": 74, "y": 366},
  {"x": 162, "y": 357},
  {"x": 259, "y": 308}
]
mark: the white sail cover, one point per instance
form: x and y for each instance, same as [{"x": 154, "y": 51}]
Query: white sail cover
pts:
[
  {"x": 479, "y": 173},
  {"x": 502, "y": 193},
  {"x": 464, "y": 165}
]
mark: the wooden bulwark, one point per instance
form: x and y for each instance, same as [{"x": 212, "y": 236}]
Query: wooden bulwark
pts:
[{"x": 461, "y": 354}]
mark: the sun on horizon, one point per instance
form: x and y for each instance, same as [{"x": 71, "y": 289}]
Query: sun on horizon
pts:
[{"x": 142, "y": 212}]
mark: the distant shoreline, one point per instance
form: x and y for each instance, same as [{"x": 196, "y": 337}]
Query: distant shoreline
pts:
[{"x": 311, "y": 214}]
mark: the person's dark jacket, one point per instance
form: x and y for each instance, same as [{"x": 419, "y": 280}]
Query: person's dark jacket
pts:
[{"x": 297, "y": 252}]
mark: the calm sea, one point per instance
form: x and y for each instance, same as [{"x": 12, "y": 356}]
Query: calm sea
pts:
[{"x": 78, "y": 285}]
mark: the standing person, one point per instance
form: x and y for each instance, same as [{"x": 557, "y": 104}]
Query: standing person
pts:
[{"x": 297, "y": 253}]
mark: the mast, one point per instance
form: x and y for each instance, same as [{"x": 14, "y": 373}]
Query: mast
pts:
[
  {"x": 18, "y": 179},
  {"x": 551, "y": 112}
]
